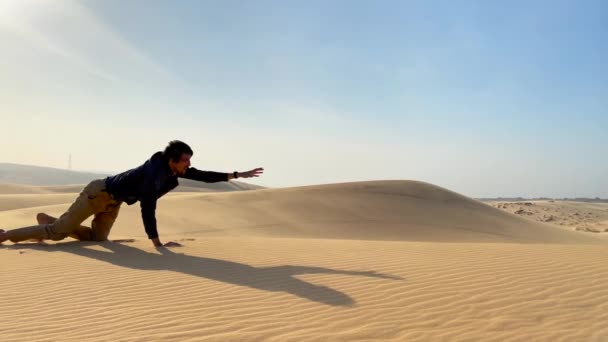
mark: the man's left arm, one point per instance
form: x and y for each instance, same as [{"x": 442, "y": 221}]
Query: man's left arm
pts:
[{"x": 214, "y": 177}]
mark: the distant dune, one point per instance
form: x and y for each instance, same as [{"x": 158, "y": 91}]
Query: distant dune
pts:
[
  {"x": 27, "y": 179},
  {"x": 39, "y": 175}
]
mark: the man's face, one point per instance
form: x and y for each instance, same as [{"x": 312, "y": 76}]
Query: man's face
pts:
[{"x": 180, "y": 167}]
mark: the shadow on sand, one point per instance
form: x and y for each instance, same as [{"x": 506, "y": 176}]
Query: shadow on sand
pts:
[{"x": 276, "y": 278}]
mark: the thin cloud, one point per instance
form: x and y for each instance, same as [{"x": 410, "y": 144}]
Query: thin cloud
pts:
[{"x": 73, "y": 32}]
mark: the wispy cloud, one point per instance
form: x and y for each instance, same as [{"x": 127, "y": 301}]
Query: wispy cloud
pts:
[{"x": 71, "y": 31}]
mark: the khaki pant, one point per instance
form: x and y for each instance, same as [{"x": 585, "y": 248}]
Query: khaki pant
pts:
[{"x": 93, "y": 200}]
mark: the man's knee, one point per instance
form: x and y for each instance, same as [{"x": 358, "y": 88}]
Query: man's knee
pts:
[
  {"x": 51, "y": 234},
  {"x": 55, "y": 233}
]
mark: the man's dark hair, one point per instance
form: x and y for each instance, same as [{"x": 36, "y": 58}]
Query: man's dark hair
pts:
[{"x": 175, "y": 149}]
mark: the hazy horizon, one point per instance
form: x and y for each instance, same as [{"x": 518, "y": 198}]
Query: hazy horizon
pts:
[{"x": 485, "y": 99}]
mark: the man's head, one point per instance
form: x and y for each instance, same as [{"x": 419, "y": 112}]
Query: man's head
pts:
[{"x": 178, "y": 155}]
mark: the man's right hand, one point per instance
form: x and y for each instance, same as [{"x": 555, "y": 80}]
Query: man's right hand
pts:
[
  {"x": 173, "y": 244},
  {"x": 158, "y": 244}
]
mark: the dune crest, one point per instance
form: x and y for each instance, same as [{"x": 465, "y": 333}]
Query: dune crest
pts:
[{"x": 378, "y": 210}]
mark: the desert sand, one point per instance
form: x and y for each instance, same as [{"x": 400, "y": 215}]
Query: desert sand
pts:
[{"x": 363, "y": 261}]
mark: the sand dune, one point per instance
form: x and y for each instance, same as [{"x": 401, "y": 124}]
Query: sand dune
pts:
[
  {"x": 22, "y": 189},
  {"x": 388, "y": 260},
  {"x": 391, "y": 210},
  {"x": 31, "y": 201},
  {"x": 40, "y": 175}
]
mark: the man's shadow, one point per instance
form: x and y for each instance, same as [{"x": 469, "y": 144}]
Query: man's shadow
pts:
[{"x": 276, "y": 278}]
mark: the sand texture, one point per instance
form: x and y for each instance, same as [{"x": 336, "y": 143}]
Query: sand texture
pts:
[{"x": 363, "y": 261}]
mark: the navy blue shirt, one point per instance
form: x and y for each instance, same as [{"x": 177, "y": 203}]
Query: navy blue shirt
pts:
[{"x": 149, "y": 182}]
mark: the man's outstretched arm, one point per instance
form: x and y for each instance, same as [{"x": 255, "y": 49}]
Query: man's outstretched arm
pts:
[{"x": 214, "y": 177}]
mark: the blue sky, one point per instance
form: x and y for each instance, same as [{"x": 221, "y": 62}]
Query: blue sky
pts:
[{"x": 485, "y": 98}]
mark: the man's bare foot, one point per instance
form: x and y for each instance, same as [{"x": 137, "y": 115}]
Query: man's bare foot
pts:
[
  {"x": 43, "y": 218},
  {"x": 3, "y": 235}
]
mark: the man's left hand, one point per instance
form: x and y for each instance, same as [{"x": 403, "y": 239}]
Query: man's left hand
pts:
[{"x": 251, "y": 173}]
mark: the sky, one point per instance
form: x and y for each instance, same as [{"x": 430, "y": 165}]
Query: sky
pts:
[{"x": 485, "y": 98}]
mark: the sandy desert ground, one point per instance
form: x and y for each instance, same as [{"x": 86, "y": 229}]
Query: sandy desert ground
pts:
[
  {"x": 365, "y": 261},
  {"x": 589, "y": 217}
]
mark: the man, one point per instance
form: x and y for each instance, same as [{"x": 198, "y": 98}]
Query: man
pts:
[{"x": 103, "y": 197}]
